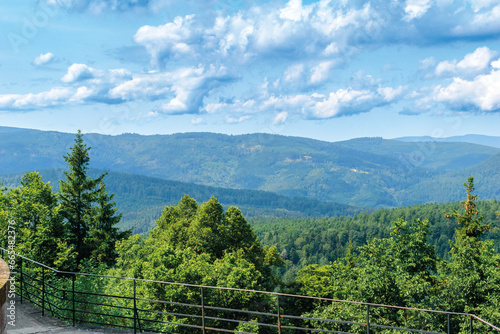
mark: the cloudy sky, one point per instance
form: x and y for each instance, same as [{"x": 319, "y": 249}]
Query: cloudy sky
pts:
[{"x": 330, "y": 70}]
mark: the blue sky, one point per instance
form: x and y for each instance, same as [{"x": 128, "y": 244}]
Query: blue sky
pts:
[{"x": 329, "y": 70}]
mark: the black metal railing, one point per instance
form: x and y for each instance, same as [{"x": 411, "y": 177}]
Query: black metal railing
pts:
[{"x": 128, "y": 303}]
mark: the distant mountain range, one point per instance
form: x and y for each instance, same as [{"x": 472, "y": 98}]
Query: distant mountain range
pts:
[
  {"x": 473, "y": 139},
  {"x": 363, "y": 172}
]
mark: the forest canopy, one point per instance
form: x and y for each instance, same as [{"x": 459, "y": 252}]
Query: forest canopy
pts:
[{"x": 438, "y": 256}]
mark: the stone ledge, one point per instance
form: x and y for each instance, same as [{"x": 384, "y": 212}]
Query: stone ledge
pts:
[{"x": 4, "y": 280}]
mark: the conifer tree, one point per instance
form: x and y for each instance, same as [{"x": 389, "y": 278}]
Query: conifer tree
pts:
[
  {"x": 471, "y": 278},
  {"x": 88, "y": 209},
  {"x": 103, "y": 233}
]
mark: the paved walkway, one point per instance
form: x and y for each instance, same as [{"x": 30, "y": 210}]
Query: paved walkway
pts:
[{"x": 29, "y": 320}]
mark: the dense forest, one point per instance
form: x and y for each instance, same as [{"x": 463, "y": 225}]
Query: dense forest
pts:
[
  {"x": 302, "y": 242},
  {"x": 440, "y": 256}
]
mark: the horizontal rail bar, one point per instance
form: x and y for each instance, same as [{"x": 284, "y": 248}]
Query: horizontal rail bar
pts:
[
  {"x": 225, "y": 330},
  {"x": 238, "y": 321},
  {"x": 170, "y": 303},
  {"x": 172, "y": 313},
  {"x": 325, "y": 320},
  {"x": 404, "y": 329},
  {"x": 240, "y": 311},
  {"x": 315, "y": 330},
  {"x": 172, "y": 323}
]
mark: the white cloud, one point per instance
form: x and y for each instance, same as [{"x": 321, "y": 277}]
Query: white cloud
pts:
[
  {"x": 294, "y": 31},
  {"x": 416, "y": 8},
  {"x": 44, "y": 59},
  {"x": 235, "y": 120},
  {"x": 183, "y": 90},
  {"x": 280, "y": 118},
  {"x": 51, "y": 98},
  {"x": 479, "y": 94},
  {"x": 294, "y": 11},
  {"x": 294, "y": 73},
  {"x": 173, "y": 39},
  {"x": 143, "y": 86},
  {"x": 478, "y": 5},
  {"x": 321, "y": 72},
  {"x": 345, "y": 102},
  {"x": 190, "y": 86},
  {"x": 78, "y": 72},
  {"x": 480, "y": 23},
  {"x": 389, "y": 93},
  {"x": 477, "y": 62}
]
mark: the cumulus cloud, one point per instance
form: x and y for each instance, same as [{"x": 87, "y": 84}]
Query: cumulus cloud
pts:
[
  {"x": 472, "y": 64},
  {"x": 474, "y": 86},
  {"x": 321, "y": 72},
  {"x": 293, "y": 31},
  {"x": 479, "y": 94},
  {"x": 297, "y": 46},
  {"x": 342, "y": 102},
  {"x": 322, "y": 31},
  {"x": 345, "y": 102},
  {"x": 183, "y": 89},
  {"x": 78, "y": 72},
  {"x": 483, "y": 22},
  {"x": 32, "y": 101},
  {"x": 44, "y": 59}
]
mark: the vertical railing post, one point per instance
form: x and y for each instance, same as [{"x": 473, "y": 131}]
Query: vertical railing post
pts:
[
  {"x": 73, "y": 293},
  {"x": 135, "y": 311},
  {"x": 279, "y": 312},
  {"x": 21, "y": 280},
  {"x": 43, "y": 291},
  {"x": 448, "y": 321},
  {"x": 471, "y": 328},
  {"x": 367, "y": 319},
  {"x": 202, "y": 311}
]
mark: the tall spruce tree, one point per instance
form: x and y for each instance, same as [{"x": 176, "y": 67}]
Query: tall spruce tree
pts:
[
  {"x": 470, "y": 281},
  {"x": 87, "y": 209},
  {"x": 103, "y": 233}
]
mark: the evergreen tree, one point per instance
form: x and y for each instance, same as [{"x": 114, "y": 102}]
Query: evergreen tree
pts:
[
  {"x": 471, "y": 279},
  {"x": 103, "y": 234},
  {"x": 87, "y": 208}
]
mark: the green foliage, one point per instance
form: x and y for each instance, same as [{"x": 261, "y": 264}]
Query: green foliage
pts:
[
  {"x": 319, "y": 241},
  {"x": 204, "y": 245},
  {"x": 87, "y": 209},
  {"x": 39, "y": 230},
  {"x": 63, "y": 229},
  {"x": 403, "y": 270},
  {"x": 471, "y": 278}
]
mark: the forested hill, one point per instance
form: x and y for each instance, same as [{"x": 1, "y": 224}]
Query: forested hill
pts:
[
  {"x": 141, "y": 199},
  {"x": 368, "y": 172},
  {"x": 302, "y": 242}
]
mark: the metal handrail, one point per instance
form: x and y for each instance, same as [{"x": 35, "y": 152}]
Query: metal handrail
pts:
[{"x": 30, "y": 292}]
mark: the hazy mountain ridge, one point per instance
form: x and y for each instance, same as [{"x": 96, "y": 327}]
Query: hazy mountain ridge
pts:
[
  {"x": 369, "y": 172},
  {"x": 492, "y": 141},
  {"x": 141, "y": 199}
]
